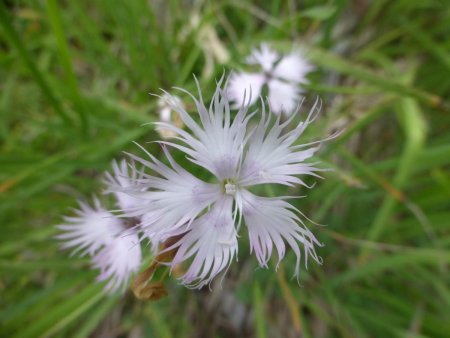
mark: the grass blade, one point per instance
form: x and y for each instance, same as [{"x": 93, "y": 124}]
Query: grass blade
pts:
[
  {"x": 64, "y": 54},
  {"x": 15, "y": 40}
]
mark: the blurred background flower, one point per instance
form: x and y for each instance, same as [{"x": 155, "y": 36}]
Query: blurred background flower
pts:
[
  {"x": 110, "y": 240},
  {"x": 282, "y": 75}
]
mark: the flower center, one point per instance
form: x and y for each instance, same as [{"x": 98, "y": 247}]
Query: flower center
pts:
[{"x": 230, "y": 187}]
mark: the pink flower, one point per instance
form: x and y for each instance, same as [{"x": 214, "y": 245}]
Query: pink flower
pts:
[
  {"x": 114, "y": 248},
  {"x": 206, "y": 217},
  {"x": 281, "y": 74}
]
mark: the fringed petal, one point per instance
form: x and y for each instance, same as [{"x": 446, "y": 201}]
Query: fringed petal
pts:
[
  {"x": 118, "y": 260},
  {"x": 123, "y": 179},
  {"x": 89, "y": 230},
  {"x": 273, "y": 157},
  {"x": 293, "y": 67},
  {"x": 283, "y": 96},
  {"x": 245, "y": 88},
  {"x": 216, "y": 144},
  {"x": 264, "y": 56},
  {"x": 172, "y": 200},
  {"x": 211, "y": 243},
  {"x": 272, "y": 223}
]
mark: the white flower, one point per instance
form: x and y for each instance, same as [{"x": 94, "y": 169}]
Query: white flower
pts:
[
  {"x": 205, "y": 217},
  {"x": 281, "y": 74},
  {"x": 113, "y": 247}
]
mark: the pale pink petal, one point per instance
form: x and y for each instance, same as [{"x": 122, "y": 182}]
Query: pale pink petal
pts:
[
  {"x": 293, "y": 67},
  {"x": 284, "y": 97},
  {"x": 173, "y": 199},
  {"x": 122, "y": 179},
  {"x": 217, "y": 143},
  {"x": 89, "y": 229},
  {"x": 271, "y": 155},
  {"x": 244, "y": 88},
  {"x": 211, "y": 243},
  {"x": 264, "y": 56},
  {"x": 118, "y": 260},
  {"x": 272, "y": 223}
]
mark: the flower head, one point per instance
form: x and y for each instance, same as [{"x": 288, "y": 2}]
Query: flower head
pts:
[
  {"x": 114, "y": 248},
  {"x": 206, "y": 217},
  {"x": 281, "y": 74}
]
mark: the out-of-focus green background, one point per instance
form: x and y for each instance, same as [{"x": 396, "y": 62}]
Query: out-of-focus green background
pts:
[{"x": 74, "y": 84}]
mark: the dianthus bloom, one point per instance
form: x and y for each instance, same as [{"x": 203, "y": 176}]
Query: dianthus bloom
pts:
[
  {"x": 202, "y": 219},
  {"x": 281, "y": 74},
  {"x": 113, "y": 247}
]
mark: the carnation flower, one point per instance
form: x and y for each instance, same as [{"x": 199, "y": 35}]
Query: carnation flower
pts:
[
  {"x": 204, "y": 217},
  {"x": 114, "y": 248},
  {"x": 281, "y": 74}
]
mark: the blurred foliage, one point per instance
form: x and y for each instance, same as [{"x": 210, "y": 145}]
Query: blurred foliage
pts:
[{"x": 75, "y": 78}]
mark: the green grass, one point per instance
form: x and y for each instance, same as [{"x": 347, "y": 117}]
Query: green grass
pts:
[{"x": 75, "y": 78}]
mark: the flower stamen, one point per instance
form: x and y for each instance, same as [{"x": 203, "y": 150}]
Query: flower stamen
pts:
[{"x": 230, "y": 188}]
